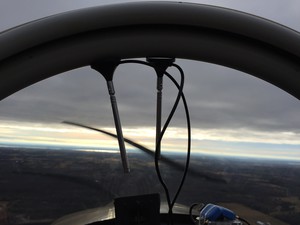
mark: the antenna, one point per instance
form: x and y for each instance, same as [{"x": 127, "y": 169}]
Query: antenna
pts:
[
  {"x": 160, "y": 65},
  {"x": 107, "y": 68}
]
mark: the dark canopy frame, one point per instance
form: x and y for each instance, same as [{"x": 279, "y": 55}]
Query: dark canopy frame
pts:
[{"x": 40, "y": 49}]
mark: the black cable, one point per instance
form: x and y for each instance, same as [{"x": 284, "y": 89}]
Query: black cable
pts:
[
  {"x": 171, "y": 203},
  {"x": 180, "y": 90},
  {"x": 189, "y": 137},
  {"x": 243, "y": 220},
  {"x": 191, "y": 212},
  {"x": 156, "y": 156},
  {"x": 179, "y": 95}
]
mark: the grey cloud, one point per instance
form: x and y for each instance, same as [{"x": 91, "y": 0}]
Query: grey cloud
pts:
[{"x": 218, "y": 97}]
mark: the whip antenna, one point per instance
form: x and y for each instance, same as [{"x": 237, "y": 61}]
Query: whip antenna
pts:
[
  {"x": 160, "y": 65},
  {"x": 107, "y": 68}
]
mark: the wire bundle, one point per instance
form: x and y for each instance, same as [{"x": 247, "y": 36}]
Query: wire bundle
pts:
[{"x": 180, "y": 95}]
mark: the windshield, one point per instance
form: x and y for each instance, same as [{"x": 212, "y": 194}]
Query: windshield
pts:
[{"x": 245, "y": 144}]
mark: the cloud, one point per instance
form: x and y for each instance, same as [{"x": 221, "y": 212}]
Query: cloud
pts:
[{"x": 218, "y": 97}]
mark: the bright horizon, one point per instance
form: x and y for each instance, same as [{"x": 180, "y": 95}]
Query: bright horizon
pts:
[{"x": 212, "y": 142}]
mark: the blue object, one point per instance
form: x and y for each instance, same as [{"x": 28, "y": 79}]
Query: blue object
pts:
[{"x": 213, "y": 212}]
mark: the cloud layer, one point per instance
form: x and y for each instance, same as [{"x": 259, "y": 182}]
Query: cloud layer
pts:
[{"x": 218, "y": 97}]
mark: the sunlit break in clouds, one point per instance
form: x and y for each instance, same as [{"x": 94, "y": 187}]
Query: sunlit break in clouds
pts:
[{"x": 207, "y": 142}]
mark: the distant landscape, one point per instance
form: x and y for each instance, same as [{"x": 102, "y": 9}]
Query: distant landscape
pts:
[{"x": 38, "y": 186}]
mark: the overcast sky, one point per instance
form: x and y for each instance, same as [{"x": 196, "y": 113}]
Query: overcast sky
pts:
[{"x": 226, "y": 105}]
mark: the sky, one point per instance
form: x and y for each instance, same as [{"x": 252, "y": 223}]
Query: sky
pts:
[{"x": 232, "y": 113}]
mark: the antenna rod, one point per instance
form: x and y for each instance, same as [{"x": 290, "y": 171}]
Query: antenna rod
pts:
[
  {"x": 160, "y": 65},
  {"x": 159, "y": 88},
  {"x": 106, "y": 69},
  {"x": 118, "y": 126}
]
